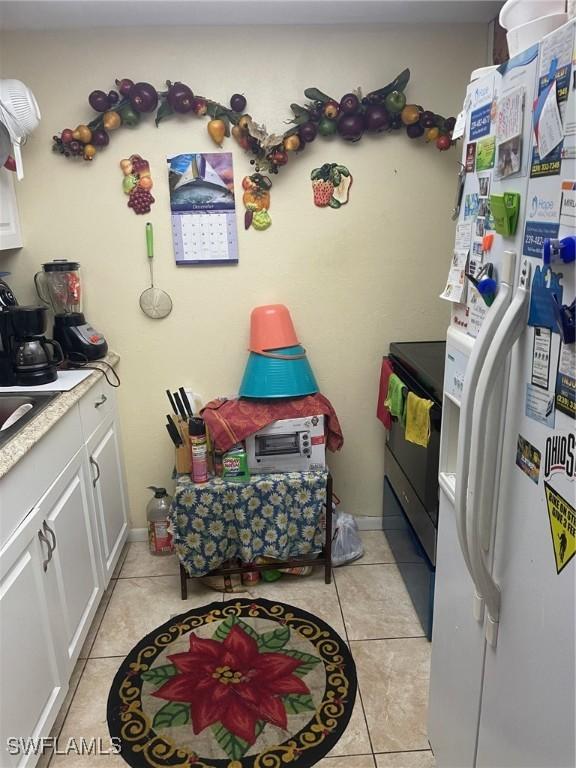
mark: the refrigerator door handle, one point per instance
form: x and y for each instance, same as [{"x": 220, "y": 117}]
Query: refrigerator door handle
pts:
[
  {"x": 480, "y": 496},
  {"x": 465, "y": 459}
]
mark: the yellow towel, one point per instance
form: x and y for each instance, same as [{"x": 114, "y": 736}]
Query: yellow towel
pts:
[{"x": 418, "y": 419}]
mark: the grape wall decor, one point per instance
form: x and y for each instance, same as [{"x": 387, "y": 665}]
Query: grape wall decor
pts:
[{"x": 351, "y": 117}]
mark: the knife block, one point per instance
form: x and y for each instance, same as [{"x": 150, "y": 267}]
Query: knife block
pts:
[
  {"x": 183, "y": 465},
  {"x": 183, "y": 452}
]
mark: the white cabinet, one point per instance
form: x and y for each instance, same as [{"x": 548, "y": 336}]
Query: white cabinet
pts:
[
  {"x": 109, "y": 493},
  {"x": 63, "y": 523},
  {"x": 10, "y": 235},
  {"x": 32, "y": 686},
  {"x": 73, "y": 580}
]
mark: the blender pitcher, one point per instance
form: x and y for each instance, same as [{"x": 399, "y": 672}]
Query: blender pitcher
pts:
[{"x": 59, "y": 286}]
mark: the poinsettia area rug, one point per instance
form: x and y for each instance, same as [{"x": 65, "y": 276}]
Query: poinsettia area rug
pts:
[{"x": 241, "y": 684}]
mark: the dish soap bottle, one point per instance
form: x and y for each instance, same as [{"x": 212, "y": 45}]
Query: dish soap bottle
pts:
[{"x": 157, "y": 511}]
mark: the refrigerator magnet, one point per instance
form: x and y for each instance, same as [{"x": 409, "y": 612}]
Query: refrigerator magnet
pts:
[
  {"x": 485, "y": 154},
  {"x": 541, "y": 349},
  {"x": 528, "y": 459},
  {"x": 545, "y": 283},
  {"x": 562, "y": 517},
  {"x": 470, "y": 157},
  {"x": 560, "y": 455},
  {"x": 484, "y": 186},
  {"x": 540, "y": 406},
  {"x": 480, "y": 121},
  {"x": 566, "y": 381}
]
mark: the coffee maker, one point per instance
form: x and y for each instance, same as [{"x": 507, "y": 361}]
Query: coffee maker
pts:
[
  {"x": 27, "y": 357},
  {"x": 59, "y": 286}
]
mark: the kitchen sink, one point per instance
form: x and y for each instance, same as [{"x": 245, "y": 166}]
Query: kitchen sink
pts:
[{"x": 30, "y": 405}]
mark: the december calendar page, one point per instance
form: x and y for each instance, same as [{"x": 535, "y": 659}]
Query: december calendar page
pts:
[{"x": 203, "y": 208}]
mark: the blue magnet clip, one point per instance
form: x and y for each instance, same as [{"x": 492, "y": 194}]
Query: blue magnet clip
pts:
[
  {"x": 564, "y": 249},
  {"x": 565, "y": 319},
  {"x": 485, "y": 283}
]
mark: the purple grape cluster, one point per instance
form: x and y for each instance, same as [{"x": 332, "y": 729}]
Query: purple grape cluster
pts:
[
  {"x": 71, "y": 148},
  {"x": 140, "y": 200}
]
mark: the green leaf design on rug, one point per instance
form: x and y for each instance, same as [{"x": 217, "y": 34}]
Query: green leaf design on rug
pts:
[
  {"x": 225, "y": 626},
  {"x": 275, "y": 640},
  {"x": 295, "y": 703},
  {"x": 308, "y": 662},
  {"x": 159, "y": 675},
  {"x": 234, "y": 747},
  {"x": 171, "y": 714}
]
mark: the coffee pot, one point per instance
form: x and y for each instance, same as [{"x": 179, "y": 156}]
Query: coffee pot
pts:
[{"x": 32, "y": 358}]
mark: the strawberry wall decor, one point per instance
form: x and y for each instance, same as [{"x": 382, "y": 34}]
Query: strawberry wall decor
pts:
[
  {"x": 331, "y": 185},
  {"x": 381, "y": 111}
]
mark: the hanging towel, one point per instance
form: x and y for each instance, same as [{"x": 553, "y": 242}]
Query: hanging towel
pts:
[
  {"x": 382, "y": 411},
  {"x": 418, "y": 419},
  {"x": 395, "y": 400}
]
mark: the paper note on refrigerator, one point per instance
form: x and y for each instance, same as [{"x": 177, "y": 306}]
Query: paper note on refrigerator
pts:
[
  {"x": 463, "y": 237},
  {"x": 509, "y": 116},
  {"x": 555, "y": 53},
  {"x": 549, "y": 132},
  {"x": 477, "y": 312},
  {"x": 540, "y": 405},
  {"x": 541, "y": 357},
  {"x": 455, "y": 289}
]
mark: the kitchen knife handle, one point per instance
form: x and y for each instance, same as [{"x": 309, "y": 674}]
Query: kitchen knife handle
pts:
[
  {"x": 186, "y": 402},
  {"x": 174, "y": 436},
  {"x": 174, "y": 430},
  {"x": 172, "y": 403},
  {"x": 179, "y": 405}
]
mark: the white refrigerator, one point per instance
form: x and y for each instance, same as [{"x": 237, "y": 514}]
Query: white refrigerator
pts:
[{"x": 502, "y": 683}]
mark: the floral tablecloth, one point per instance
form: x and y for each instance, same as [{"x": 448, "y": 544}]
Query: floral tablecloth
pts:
[{"x": 276, "y": 515}]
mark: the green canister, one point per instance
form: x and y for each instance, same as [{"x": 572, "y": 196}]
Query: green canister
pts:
[{"x": 235, "y": 465}]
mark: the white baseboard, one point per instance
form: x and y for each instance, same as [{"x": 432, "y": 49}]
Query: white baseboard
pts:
[
  {"x": 369, "y": 523},
  {"x": 365, "y": 523},
  {"x": 138, "y": 534}
]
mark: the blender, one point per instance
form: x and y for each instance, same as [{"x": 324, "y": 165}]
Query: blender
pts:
[{"x": 59, "y": 286}]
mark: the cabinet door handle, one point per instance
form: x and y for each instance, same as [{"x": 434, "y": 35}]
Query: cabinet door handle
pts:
[
  {"x": 46, "y": 528},
  {"x": 100, "y": 402},
  {"x": 95, "y": 464},
  {"x": 44, "y": 540}
]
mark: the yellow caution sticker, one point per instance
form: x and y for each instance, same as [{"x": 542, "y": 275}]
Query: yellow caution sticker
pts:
[{"x": 562, "y": 526}]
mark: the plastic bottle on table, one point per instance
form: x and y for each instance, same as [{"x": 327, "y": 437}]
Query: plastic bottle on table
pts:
[{"x": 157, "y": 511}]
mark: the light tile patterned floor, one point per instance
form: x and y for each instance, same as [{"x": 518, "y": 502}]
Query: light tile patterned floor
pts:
[{"x": 367, "y": 603}]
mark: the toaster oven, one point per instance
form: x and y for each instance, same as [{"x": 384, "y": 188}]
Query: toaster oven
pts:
[{"x": 288, "y": 445}]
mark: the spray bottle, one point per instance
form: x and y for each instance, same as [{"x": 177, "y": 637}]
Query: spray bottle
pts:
[
  {"x": 198, "y": 449},
  {"x": 157, "y": 515}
]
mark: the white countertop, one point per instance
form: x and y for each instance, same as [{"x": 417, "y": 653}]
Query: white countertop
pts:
[{"x": 19, "y": 445}]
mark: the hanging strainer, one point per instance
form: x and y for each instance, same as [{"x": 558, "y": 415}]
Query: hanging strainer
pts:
[{"x": 153, "y": 301}]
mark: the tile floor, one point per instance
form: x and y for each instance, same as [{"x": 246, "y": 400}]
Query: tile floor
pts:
[{"x": 367, "y": 603}]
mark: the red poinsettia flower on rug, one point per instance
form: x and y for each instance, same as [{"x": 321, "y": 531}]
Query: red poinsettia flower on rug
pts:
[{"x": 232, "y": 683}]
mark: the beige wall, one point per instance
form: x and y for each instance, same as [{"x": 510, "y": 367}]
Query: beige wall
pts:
[{"x": 354, "y": 279}]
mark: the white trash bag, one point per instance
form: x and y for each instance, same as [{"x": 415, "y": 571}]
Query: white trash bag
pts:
[{"x": 346, "y": 541}]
